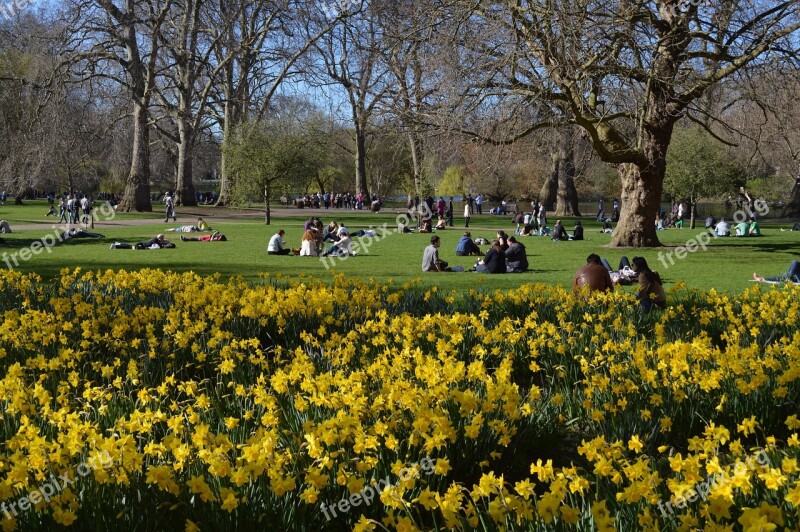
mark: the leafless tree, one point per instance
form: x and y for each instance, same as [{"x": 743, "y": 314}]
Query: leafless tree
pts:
[
  {"x": 119, "y": 42},
  {"x": 627, "y": 71}
]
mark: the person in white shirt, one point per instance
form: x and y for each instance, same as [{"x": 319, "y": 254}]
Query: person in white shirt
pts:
[
  {"x": 276, "y": 244},
  {"x": 342, "y": 248},
  {"x": 722, "y": 228}
]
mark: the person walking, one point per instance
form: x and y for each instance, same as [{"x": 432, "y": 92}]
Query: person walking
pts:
[
  {"x": 467, "y": 213},
  {"x": 450, "y": 212},
  {"x": 169, "y": 203}
]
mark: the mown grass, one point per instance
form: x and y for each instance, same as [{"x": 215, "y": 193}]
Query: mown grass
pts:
[{"x": 727, "y": 264}]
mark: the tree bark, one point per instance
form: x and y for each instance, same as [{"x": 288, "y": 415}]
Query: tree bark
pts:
[
  {"x": 184, "y": 186},
  {"x": 417, "y": 156},
  {"x": 361, "y": 160},
  {"x": 792, "y": 209},
  {"x": 567, "y": 194},
  {"x": 550, "y": 187},
  {"x": 137, "y": 190},
  {"x": 641, "y": 199}
]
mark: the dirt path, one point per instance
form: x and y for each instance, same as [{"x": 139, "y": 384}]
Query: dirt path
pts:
[{"x": 220, "y": 216}]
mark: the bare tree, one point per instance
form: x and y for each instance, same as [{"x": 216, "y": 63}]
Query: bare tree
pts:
[
  {"x": 119, "y": 41},
  {"x": 626, "y": 71},
  {"x": 350, "y": 57},
  {"x": 265, "y": 40},
  {"x": 190, "y": 73}
]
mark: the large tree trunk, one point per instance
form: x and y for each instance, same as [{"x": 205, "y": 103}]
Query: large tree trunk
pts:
[
  {"x": 792, "y": 209},
  {"x": 184, "y": 186},
  {"x": 415, "y": 144},
  {"x": 567, "y": 195},
  {"x": 641, "y": 200},
  {"x": 550, "y": 187},
  {"x": 137, "y": 190},
  {"x": 361, "y": 160}
]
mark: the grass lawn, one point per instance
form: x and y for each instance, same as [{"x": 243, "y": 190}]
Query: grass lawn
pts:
[{"x": 727, "y": 264}]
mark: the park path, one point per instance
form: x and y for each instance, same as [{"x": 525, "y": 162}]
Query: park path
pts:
[{"x": 223, "y": 216}]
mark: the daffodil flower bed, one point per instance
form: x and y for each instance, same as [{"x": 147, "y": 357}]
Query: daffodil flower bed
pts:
[{"x": 174, "y": 401}]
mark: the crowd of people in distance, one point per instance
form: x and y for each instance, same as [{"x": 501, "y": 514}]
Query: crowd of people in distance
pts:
[{"x": 328, "y": 200}]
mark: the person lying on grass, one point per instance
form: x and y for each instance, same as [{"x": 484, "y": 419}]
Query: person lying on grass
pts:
[
  {"x": 216, "y": 236},
  {"x": 201, "y": 225},
  {"x": 159, "y": 242},
  {"x": 792, "y": 275}
]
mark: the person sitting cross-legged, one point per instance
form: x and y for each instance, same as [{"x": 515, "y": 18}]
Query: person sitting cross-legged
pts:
[
  {"x": 430, "y": 257},
  {"x": 494, "y": 261},
  {"x": 276, "y": 244},
  {"x": 516, "y": 256},
  {"x": 342, "y": 248},
  {"x": 577, "y": 233}
]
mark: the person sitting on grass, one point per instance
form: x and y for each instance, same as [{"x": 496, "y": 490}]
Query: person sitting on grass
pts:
[
  {"x": 651, "y": 290},
  {"x": 4, "y": 227},
  {"x": 577, "y": 233},
  {"x": 755, "y": 229},
  {"x": 743, "y": 229},
  {"x": 441, "y": 223},
  {"x": 425, "y": 226},
  {"x": 277, "y": 246},
  {"x": 494, "y": 261},
  {"x": 329, "y": 233},
  {"x": 528, "y": 230},
  {"x": 592, "y": 277},
  {"x": 430, "y": 257},
  {"x": 559, "y": 233},
  {"x": 466, "y": 246},
  {"x": 722, "y": 228},
  {"x": 403, "y": 228},
  {"x": 216, "y": 236},
  {"x": 342, "y": 248},
  {"x": 607, "y": 227},
  {"x": 792, "y": 275},
  {"x": 502, "y": 237},
  {"x": 516, "y": 256},
  {"x": 308, "y": 244},
  {"x": 159, "y": 242}
]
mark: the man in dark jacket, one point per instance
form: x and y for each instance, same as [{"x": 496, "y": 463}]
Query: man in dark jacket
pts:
[
  {"x": 516, "y": 258},
  {"x": 592, "y": 277}
]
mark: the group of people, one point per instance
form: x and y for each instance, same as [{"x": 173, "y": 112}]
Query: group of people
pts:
[
  {"x": 328, "y": 200},
  {"x": 315, "y": 237},
  {"x": 160, "y": 240},
  {"x": 601, "y": 211},
  {"x": 597, "y": 276},
  {"x": 505, "y": 255},
  {"x": 73, "y": 208}
]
